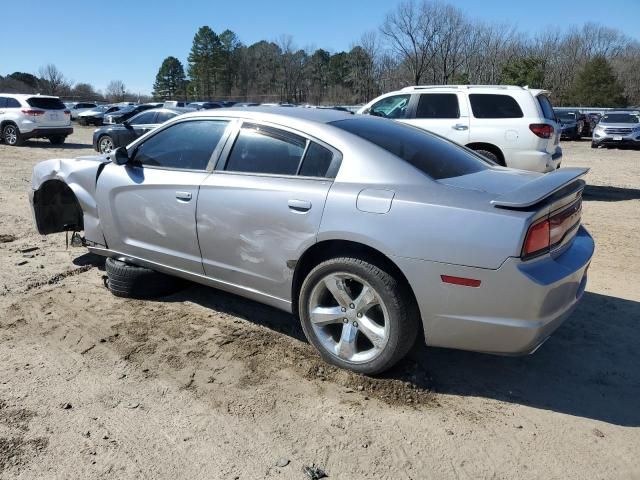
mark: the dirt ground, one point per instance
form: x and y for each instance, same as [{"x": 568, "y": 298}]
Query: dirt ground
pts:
[{"x": 203, "y": 384}]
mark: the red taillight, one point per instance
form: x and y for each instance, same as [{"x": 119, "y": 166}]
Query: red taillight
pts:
[
  {"x": 537, "y": 240},
  {"x": 466, "y": 282},
  {"x": 33, "y": 113},
  {"x": 552, "y": 230},
  {"x": 542, "y": 130},
  {"x": 67, "y": 112}
]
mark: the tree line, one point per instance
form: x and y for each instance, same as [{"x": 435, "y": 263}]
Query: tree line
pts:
[
  {"x": 419, "y": 42},
  {"x": 51, "y": 81}
]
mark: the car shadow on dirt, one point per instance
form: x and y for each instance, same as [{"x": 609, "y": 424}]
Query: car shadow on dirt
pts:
[
  {"x": 601, "y": 193},
  {"x": 588, "y": 368},
  {"x": 65, "y": 146}
]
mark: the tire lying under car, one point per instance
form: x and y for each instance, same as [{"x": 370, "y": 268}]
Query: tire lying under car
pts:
[{"x": 131, "y": 281}]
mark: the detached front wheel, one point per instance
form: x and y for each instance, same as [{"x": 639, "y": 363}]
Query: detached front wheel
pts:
[{"x": 357, "y": 315}]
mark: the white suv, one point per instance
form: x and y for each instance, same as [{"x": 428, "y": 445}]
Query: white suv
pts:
[
  {"x": 33, "y": 116},
  {"x": 513, "y": 126}
]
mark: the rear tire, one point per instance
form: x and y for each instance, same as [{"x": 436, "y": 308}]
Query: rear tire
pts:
[
  {"x": 57, "y": 140},
  {"x": 11, "y": 135},
  {"x": 131, "y": 281},
  {"x": 594, "y": 145},
  {"x": 490, "y": 155},
  {"x": 364, "y": 333}
]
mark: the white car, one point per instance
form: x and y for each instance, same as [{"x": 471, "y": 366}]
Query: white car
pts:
[
  {"x": 80, "y": 107},
  {"x": 513, "y": 126},
  {"x": 33, "y": 116}
]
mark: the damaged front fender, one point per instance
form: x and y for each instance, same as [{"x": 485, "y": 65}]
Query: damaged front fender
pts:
[{"x": 63, "y": 196}]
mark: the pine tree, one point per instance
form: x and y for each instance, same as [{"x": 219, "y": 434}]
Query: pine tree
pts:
[
  {"x": 597, "y": 86},
  {"x": 170, "y": 81},
  {"x": 205, "y": 64}
]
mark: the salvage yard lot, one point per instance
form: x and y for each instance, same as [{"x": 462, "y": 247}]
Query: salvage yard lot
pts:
[{"x": 203, "y": 384}]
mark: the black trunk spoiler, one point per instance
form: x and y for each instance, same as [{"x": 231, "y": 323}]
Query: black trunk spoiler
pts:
[{"x": 541, "y": 188}]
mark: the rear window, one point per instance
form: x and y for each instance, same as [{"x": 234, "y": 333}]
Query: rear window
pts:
[
  {"x": 433, "y": 155},
  {"x": 547, "y": 108},
  {"x": 438, "y": 105},
  {"x": 494, "y": 106},
  {"x": 46, "y": 103}
]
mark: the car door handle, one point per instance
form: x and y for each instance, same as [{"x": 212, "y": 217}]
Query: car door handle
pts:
[
  {"x": 183, "y": 196},
  {"x": 300, "y": 206},
  {"x": 460, "y": 126}
]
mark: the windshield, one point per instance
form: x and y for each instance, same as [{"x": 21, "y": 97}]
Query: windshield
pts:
[
  {"x": 620, "y": 118},
  {"x": 433, "y": 155}
]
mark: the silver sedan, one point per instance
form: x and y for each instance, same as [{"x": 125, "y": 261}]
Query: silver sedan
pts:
[{"x": 372, "y": 231}]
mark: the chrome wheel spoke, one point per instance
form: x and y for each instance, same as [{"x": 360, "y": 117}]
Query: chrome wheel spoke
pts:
[
  {"x": 365, "y": 300},
  {"x": 374, "y": 332},
  {"x": 336, "y": 286},
  {"x": 346, "y": 347},
  {"x": 326, "y": 315}
]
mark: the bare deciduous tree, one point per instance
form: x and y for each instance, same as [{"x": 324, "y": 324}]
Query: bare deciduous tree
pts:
[
  {"x": 116, "y": 91},
  {"x": 52, "y": 81}
]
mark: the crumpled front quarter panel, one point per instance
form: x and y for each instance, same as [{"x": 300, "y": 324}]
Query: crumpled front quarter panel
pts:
[{"x": 80, "y": 175}]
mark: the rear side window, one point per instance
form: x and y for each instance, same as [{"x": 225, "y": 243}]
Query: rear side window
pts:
[
  {"x": 438, "y": 105},
  {"x": 164, "y": 116},
  {"x": 317, "y": 161},
  {"x": 186, "y": 145},
  {"x": 13, "y": 103},
  {"x": 547, "y": 108},
  {"x": 3, "y": 102},
  {"x": 46, "y": 103},
  {"x": 494, "y": 106},
  {"x": 434, "y": 156},
  {"x": 144, "y": 118},
  {"x": 266, "y": 150}
]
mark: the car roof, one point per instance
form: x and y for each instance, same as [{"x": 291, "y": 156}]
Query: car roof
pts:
[
  {"x": 26, "y": 95},
  {"x": 630, "y": 112},
  {"x": 277, "y": 114}
]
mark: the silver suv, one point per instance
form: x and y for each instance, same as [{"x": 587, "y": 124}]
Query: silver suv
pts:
[
  {"x": 33, "y": 116},
  {"x": 617, "y": 129}
]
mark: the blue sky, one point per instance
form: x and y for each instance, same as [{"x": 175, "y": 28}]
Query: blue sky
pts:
[{"x": 97, "y": 41}]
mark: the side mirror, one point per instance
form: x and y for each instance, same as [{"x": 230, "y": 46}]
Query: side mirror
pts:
[
  {"x": 126, "y": 124},
  {"x": 120, "y": 156}
]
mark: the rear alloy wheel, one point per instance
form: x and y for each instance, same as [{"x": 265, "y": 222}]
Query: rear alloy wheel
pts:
[
  {"x": 11, "y": 135},
  {"x": 105, "y": 144},
  {"x": 57, "y": 139},
  {"x": 357, "y": 315}
]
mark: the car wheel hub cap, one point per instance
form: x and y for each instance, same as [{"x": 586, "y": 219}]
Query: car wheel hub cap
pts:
[
  {"x": 10, "y": 135},
  {"x": 349, "y": 317},
  {"x": 106, "y": 145}
]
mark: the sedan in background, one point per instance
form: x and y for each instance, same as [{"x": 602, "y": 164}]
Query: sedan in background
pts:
[
  {"x": 574, "y": 124},
  {"x": 76, "y": 108},
  {"x": 127, "y": 112},
  {"x": 371, "y": 231},
  {"x": 617, "y": 129},
  {"x": 96, "y": 115},
  {"x": 109, "y": 137}
]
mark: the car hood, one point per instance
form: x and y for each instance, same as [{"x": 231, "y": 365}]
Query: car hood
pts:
[
  {"x": 90, "y": 113},
  {"x": 497, "y": 181}
]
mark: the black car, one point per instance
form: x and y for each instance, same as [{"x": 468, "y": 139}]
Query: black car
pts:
[
  {"x": 574, "y": 124},
  {"x": 110, "y": 137},
  {"x": 96, "y": 115},
  {"x": 127, "y": 112}
]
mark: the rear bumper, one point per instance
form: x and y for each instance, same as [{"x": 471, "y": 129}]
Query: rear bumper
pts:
[
  {"x": 515, "y": 308},
  {"x": 534, "y": 160},
  {"x": 47, "y": 132}
]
